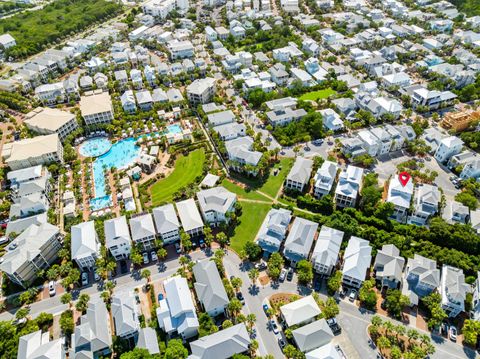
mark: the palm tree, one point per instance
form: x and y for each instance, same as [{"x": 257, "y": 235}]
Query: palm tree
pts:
[
  {"x": 234, "y": 307},
  {"x": 377, "y": 321},
  {"x": 146, "y": 275},
  {"x": 253, "y": 275},
  {"x": 162, "y": 253},
  {"x": 184, "y": 261},
  {"x": 222, "y": 239},
  {"x": 236, "y": 283},
  {"x": 383, "y": 343},
  {"x": 389, "y": 328},
  {"x": 251, "y": 319},
  {"x": 412, "y": 335},
  {"x": 400, "y": 330}
]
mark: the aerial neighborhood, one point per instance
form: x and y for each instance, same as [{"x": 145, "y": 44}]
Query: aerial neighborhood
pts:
[{"x": 240, "y": 179}]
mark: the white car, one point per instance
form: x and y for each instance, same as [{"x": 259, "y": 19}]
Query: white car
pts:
[
  {"x": 283, "y": 274},
  {"x": 84, "y": 278},
  {"x": 154, "y": 256},
  {"x": 353, "y": 295},
  {"x": 145, "y": 258},
  {"x": 453, "y": 334},
  {"x": 51, "y": 288},
  {"x": 178, "y": 248}
]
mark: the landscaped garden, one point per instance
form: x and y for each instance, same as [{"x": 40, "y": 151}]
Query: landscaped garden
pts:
[
  {"x": 317, "y": 95},
  {"x": 186, "y": 170}
]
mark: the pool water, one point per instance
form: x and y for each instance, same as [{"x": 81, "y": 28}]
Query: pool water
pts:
[
  {"x": 174, "y": 129},
  {"x": 95, "y": 147},
  {"x": 121, "y": 155}
]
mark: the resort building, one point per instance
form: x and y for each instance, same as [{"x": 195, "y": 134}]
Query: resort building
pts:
[
  {"x": 40, "y": 150},
  {"x": 401, "y": 196},
  {"x": 45, "y": 121},
  {"x": 201, "y": 91},
  {"x": 216, "y": 204},
  {"x": 96, "y": 107}
]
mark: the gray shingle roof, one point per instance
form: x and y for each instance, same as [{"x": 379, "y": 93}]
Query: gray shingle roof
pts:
[{"x": 208, "y": 286}]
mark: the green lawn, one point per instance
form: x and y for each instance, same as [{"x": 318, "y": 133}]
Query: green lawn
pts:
[
  {"x": 317, "y": 95},
  {"x": 249, "y": 223},
  {"x": 273, "y": 183},
  {"x": 243, "y": 193},
  {"x": 185, "y": 172}
]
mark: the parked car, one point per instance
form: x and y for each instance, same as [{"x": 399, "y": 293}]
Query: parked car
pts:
[
  {"x": 333, "y": 324},
  {"x": 51, "y": 288},
  {"x": 154, "y": 256},
  {"x": 96, "y": 277},
  {"x": 317, "y": 285},
  {"x": 281, "y": 343},
  {"x": 261, "y": 265},
  {"x": 145, "y": 258},
  {"x": 274, "y": 326},
  {"x": 353, "y": 295},
  {"x": 453, "y": 334},
  {"x": 19, "y": 321},
  {"x": 137, "y": 298},
  {"x": 290, "y": 274},
  {"x": 241, "y": 298},
  {"x": 265, "y": 308},
  {"x": 160, "y": 296},
  {"x": 282, "y": 276},
  {"x": 178, "y": 249},
  {"x": 84, "y": 278},
  {"x": 444, "y": 329}
]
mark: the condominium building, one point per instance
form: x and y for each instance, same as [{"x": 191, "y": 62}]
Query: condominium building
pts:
[
  {"x": 96, "y": 107},
  {"x": 201, "y": 90},
  {"x": 46, "y": 121}
]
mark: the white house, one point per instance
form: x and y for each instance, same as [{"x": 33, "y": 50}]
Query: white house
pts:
[
  {"x": 348, "y": 187},
  {"x": 85, "y": 246},
  {"x": 274, "y": 229},
  {"x": 143, "y": 231},
  {"x": 388, "y": 266},
  {"x": 125, "y": 314},
  {"x": 300, "y": 312},
  {"x": 326, "y": 251},
  {"x": 324, "y": 178},
  {"x": 216, "y": 204},
  {"x": 300, "y": 240},
  {"x": 176, "y": 312},
  {"x": 331, "y": 120},
  {"x": 421, "y": 278},
  {"x": 201, "y": 90},
  {"x": 453, "y": 290},
  {"x": 356, "y": 262},
  {"x": 456, "y": 212},
  {"x": 299, "y": 176},
  {"x": 39, "y": 346},
  {"x": 209, "y": 288},
  {"x": 448, "y": 147},
  {"x": 190, "y": 217},
  {"x": 426, "y": 202},
  {"x": 117, "y": 237},
  {"x": 401, "y": 196},
  {"x": 166, "y": 223}
]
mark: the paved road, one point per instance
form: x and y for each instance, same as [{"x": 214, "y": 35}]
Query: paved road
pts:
[{"x": 353, "y": 321}]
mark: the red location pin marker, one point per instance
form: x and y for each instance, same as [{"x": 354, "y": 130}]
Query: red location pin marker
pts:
[{"x": 404, "y": 177}]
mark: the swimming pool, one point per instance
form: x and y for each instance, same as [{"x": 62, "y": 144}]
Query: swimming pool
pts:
[
  {"x": 174, "y": 129},
  {"x": 121, "y": 154},
  {"x": 95, "y": 147}
]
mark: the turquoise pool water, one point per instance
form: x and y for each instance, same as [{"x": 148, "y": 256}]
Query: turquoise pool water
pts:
[
  {"x": 174, "y": 129},
  {"x": 122, "y": 154},
  {"x": 95, "y": 147}
]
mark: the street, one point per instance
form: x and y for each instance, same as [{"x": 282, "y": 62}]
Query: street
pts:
[{"x": 353, "y": 320}]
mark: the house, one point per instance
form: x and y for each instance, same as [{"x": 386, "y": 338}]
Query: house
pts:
[
  {"x": 420, "y": 279},
  {"x": 300, "y": 239},
  {"x": 144, "y": 100},
  {"x": 51, "y": 94},
  {"x": 241, "y": 155},
  {"x": 475, "y": 220},
  {"x": 176, "y": 312},
  {"x": 455, "y": 212},
  {"x": 432, "y": 99},
  {"x": 475, "y": 313},
  {"x": 348, "y": 187},
  {"x": 324, "y": 179},
  {"x": 449, "y": 147},
  {"x": 327, "y": 351},
  {"x": 85, "y": 246},
  {"x": 331, "y": 120},
  {"x": 384, "y": 140},
  {"x": 221, "y": 118},
  {"x": 223, "y": 344},
  {"x": 143, "y": 231},
  {"x": 397, "y": 139},
  {"x": 283, "y": 111},
  {"x": 279, "y": 74},
  {"x": 299, "y": 176},
  {"x": 128, "y": 102},
  {"x": 401, "y": 196},
  {"x": 459, "y": 121},
  {"x": 39, "y": 346},
  {"x": 216, "y": 204},
  {"x": 147, "y": 339},
  {"x": 166, "y": 223},
  {"x": 117, "y": 237},
  {"x": 96, "y": 107},
  {"x": 300, "y": 312},
  {"x": 388, "y": 266},
  {"x": 92, "y": 338},
  {"x": 201, "y": 91},
  {"x": 230, "y": 131},
  {"x": 121, "y": 77},
  {"x": 180, "y": 49},
  {"x": 453, "y": 290},
  {"x": 313, "y": 335},
  {"x": 326, "y": 251},
  {"x": 370, "y": 142},
  {"x": 190, "y": 217},
  {"x": 426, "y": 202},
  {"x": 209, "y": 288},
  {"x": 35, "y": 249},
  {"x": 274, "y": 229},
  {"x": 125, "y": 314},
  {"x": 356, "y": 262},
  {"x": 7, "y": 41},
  {"x": 40, "y": 150},
  {"x": 46, "y": 121}
]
